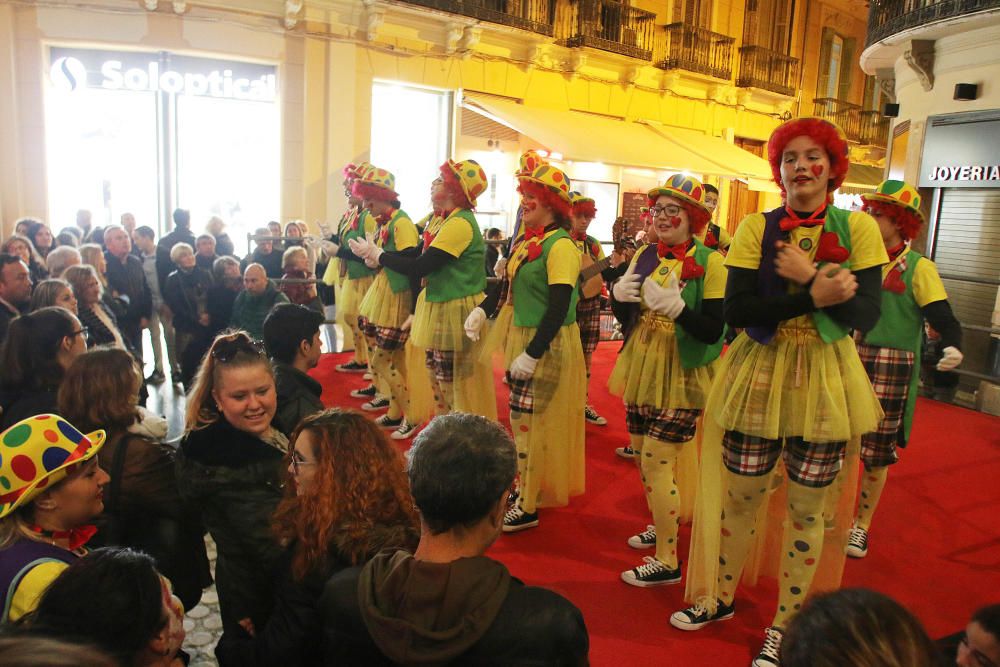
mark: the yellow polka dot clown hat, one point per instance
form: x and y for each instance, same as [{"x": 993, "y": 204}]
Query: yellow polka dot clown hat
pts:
[
  {"x": 470, "y": 176},
  {"x": 686, "y": 188},
  {"x": 577, "y": 198},
  {"x": 376, "y": 183},
  {"x": 530, "y": 161},
  {"x": 552, "y": 178},
  {"x": 37, "y": 453},
  {"x": 898, "y": 193}
]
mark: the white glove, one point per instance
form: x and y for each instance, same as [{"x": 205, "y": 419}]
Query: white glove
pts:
[
  {"x": 523, "y": 367},
  {"x": 666, "y": 299},
  {"x": 329, "y": 248},
  {"x": 474, "y": 323},
  {"x": 629, "y": 288},
  {"x": 371, "y": 263},
  {"x": 407, "y": 323},
  {"x": 365, "y": 249},
  {"x": 500, "y": 267},
  {"x": 324, "y": 229},
  {"x": 951, "y": 359}
]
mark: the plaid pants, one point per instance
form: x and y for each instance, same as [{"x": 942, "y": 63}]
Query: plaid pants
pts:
[
  {"x": 808, "y": 463},
  {"x": 442, "y": 364},
  {"x": 387, "y": 338},
  {"x": 663, "y": 424},
  {"x": 588, "y": 318},
  {"x": 889, "y": 370}
]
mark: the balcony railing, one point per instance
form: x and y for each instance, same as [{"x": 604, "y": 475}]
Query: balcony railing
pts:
[
  {"x": 844, "y": 114},
  {"x": 608, "y": 25},
  {"x": 532, "y": 15},
  {"x": 874, "y": 129},
  {"x": 889, "y": 17},
  {"x": 696, "y": 49},
  {"x": 768, "y": 70}
]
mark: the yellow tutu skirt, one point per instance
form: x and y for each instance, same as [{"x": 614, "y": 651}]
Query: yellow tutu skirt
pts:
[
  {"x": 331, "y": 276},
  {"x": 795, "y": 386},
  {"x": 383, "y": 307},
  {"x": 352, "y": 293},
  {"x": 441, "y": 326},
  {"x": 649, "y": 370},
  {"x": 555, "y": 428}
]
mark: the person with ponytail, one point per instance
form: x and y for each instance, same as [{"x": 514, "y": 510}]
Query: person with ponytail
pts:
[
  {"x": 670, "y": 303},
  {"x": 40, "y": 346},
  {"x": 912, "y": 292},
  {"x": 791, "y": 386},
  {"x": 386, "y": 313},
  {"x": 537, "y": 330},
  {"x": 451, "y": 269}
]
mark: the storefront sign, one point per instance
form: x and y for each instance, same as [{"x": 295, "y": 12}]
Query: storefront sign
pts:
[
  {"x": 74, "y": 69},
  {"x": 960, "y": 151}
]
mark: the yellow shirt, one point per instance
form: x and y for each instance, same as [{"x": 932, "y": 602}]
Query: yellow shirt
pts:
[
  {"x": 404, "y": 233},
  {"x": 715, "y": 273},
  {"x": 454, "y": 236},
  {"x": 927, "y": 285},
  {"x": 563, "y": 263},
  {"x": 584, "y": 248},
  {"x": 31, "y": 587},
  {"x": 725, "y": 238}
]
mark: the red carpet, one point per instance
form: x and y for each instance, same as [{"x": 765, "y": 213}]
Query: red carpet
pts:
[{"x": 935, "y": 546}]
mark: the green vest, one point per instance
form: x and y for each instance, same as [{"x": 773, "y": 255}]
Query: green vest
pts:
[
  {"x": 901, "y": 326},
  {"x": 694, "y": 353},
  {"x": 463, "y": 276},
  {"x": 398, "y": 282},
  {"x": 356, "y": 270},
  {"x": 530, "y": 288},
  {"x": 829, "y": 329}
]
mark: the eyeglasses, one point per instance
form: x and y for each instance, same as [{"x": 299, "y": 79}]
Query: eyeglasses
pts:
[
  {"x": 670, "y": 209},
  {"x": 298, "y": 461},
  {"x": 84, "y": 331},
  {"x": 226, "y": 349}
]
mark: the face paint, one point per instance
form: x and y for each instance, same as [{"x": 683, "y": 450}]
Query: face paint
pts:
[
  {"x": 817, "y": 169},
  {"x": 675, "y": 221},
  {"x": 530, "y": 205}
]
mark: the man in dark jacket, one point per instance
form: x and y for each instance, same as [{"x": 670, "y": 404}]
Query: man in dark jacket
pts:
[
  {"x": 291, "y": 337},
  {"x": 266, "y": 255},
  {"x": 127, "y": 278},
  {"x": 254, "y": 303},
  {"x": 181, "y": 234},
  {"x": 228, "y": 282},
  {"x": 447, "y": 603},
  {"x": 15, "y": 290},
  {"x": 186, "y": 293}
]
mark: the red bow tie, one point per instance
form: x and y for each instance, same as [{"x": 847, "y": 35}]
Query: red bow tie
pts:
[
  {"x": 580, "y": 236},
  {"x": 77, "y": 536},
  {"x": 678, "y": 251},
  {"x": 793, "y": 220},
  {"x": 534, "y": 233},
  {"x": 896, "y": 251}
]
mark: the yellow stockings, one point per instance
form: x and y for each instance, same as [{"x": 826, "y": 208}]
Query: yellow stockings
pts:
[
  {"x": 656, "y": 466},
  {"x": 390, "y": 369},
  {"x": 872, "y": 483}
]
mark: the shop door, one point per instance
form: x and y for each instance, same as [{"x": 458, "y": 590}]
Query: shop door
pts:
[{"x": 742, "y": 200}]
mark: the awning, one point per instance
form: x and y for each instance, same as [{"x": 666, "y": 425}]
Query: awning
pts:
[
  {"x": 591, "y": 138},
  {"x": 862, "y": 177}
]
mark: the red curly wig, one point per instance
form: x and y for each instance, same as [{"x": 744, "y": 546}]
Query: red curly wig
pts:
[
  {"x": 360, "y": 484},
  {"x": 698, "y": 217},
  {"x": 824, "y": 133},
  {"x": 560, "y": 208},
  {"x": 453, "y": 188},
  {"x": 372, "y": 192},
  {"x": 906, "y": 221},
  {"x": 586, "y": 209}
]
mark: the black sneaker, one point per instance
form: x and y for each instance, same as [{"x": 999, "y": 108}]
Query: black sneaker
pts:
[
  {"x": 590, "y": 414},
  {"x": 651, "y": 573},
  {"x": 405, "y": 431},
  {"x": 697, "y": 617},
  {"x": 626, "y": 452},
  {"x": 376, "y": 404},
  {"x": 367, "y": 392},
  {"x": 857, "y": 543},
  {"x": 770, "y": 653},
  {"x": 156, "y": 378},
  {"x": 644, "y": 540},
  {"x": 385, "y": 422},
  {"x": 352, "y": 367},
  {"x": 517, "y": 519}
]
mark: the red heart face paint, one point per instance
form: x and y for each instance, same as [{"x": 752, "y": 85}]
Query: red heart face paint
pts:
[
  {"x": 675, "y": 221},
  {"x": 816, "y": 169},
  {"x": 529, "y": 205}
]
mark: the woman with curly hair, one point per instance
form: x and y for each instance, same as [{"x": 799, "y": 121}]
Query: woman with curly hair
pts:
[
  {"x": 347, "y": 498},
  {"x": 541, "y": 349},
  {"x": 791, "y": 386}
]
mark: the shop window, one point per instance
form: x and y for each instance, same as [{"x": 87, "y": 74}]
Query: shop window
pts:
[
  {"x": 835, "y": 68},
  {"x": 411, "y": 137},
  {"x": 145, "y": 133}
]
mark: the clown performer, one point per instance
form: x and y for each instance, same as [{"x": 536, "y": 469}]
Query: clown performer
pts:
[
  {"x": 527, "y": 163},
  {"x": 537, "y": 330},
  {"x": 790, "y": 386},
  {"x": 451, "y": 266},
  {"x": 911, "y": 292},
  {"x": 349, "y": 276},
  {"x": 53, "y": 489},
  {"x": 673, "y": 332},
  {"x": 588, "y": 309},
  {"x": 713, "y": 235},
  {"x": 385, "y": 314}
]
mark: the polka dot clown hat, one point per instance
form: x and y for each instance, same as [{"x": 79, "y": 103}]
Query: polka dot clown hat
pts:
[
  {"x": 554, "y": 179},
  {"x": 577, "y": 198},
  {"x": 353, "y": 172},
  {"x": 530, "y": 161},
  {"x": 686, "y": 188},
  {"x": 37, "y": 453},
  {"x": 470, "y": 176},
  {"x": 897, "y": 193},
  {"x": 380, "y": 178}
]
